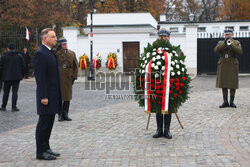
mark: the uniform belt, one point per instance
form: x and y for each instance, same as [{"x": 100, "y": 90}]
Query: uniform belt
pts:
[
  {"x": 65, "y": 66},
  {"x": 227, "y": 56}
]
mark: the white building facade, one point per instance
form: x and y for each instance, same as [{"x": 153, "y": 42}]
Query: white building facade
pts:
[{"x": 126, "y": 34}]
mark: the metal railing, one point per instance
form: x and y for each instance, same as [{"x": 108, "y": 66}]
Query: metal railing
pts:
[{"x": 239, "y": 34}]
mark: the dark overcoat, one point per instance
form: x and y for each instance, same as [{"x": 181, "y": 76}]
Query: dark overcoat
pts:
[
  {"x": 12, "y": 66},
  {"x": 68, "y": 71},
  {"x": 228, "y": 68},
  {"x": 47, "y": 76}
]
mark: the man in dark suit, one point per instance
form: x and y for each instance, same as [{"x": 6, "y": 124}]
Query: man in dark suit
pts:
[
  {"x": 12, "y": 71},
  {"x": 48, "y": 93},
  {"x": 26, "y": 58}
]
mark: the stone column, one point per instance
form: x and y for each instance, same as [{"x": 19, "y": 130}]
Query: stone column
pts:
[{"x": 191, "y": 48}]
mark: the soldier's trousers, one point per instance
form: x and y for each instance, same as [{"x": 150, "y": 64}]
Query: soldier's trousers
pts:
[{"x": 225, "y": 92}]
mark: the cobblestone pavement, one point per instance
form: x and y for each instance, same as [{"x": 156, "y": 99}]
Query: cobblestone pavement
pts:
[{"x": 112, "y": 133}]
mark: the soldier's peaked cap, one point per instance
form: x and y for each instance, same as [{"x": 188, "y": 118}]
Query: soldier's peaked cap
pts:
[
  {"x": 228, "y": 30},
  {"x": 62, "y": 40},
  {"x": 163, "y": 32}
]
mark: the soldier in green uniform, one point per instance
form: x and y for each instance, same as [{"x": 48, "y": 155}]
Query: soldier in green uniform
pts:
[
  {"x": 68, "y": 74},
  {"x": 228, "y": 67},
  {"x": 165, "y": 35}
]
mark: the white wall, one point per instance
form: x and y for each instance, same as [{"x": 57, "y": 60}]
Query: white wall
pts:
[
  {"x": 106, "y": 43},
  {"x": 83, "y": 46},
  {"x": 71, "y": 33},
  {"x": 210, "y": 27}
]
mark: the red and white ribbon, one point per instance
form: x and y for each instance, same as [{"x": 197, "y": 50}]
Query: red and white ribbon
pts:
[
  {"x": 147, "y": 87},
  {"x": 166, "y": 86},
  {"x": 166, "y": 82}
]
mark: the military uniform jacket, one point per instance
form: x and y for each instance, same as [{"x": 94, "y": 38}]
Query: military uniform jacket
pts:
[
  {"x": 68, "y": 71},
  {"x": 228, "y": 65}
]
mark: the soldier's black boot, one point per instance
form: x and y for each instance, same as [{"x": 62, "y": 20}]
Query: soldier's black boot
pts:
[
  {"x": 167, "y": 121},
  {"x": 66, "y": 111},
  {"x": 225, "y": 103},
  {"x": 159, "y": 122},
  {"x": 232, "y": 102}
]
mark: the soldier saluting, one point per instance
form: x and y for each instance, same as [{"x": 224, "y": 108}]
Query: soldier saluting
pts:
[
  {"x": 228, "y": 67},
  {"x": 68, "y": 74}
]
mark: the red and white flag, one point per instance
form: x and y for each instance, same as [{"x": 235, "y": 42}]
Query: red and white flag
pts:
[{"x": 27, "y": 34}]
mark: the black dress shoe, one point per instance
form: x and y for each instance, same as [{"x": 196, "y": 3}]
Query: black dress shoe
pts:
[
  {"x": 53, "y": 153},
  {"x": 15, "y": 109},
  {"x": 45, "y": 156},
  {"x": 3, "y": 109}
]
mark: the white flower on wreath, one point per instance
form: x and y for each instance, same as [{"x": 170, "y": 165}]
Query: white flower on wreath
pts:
[
  {"x": 143, "y": 71},
  {"x": 153, "y": 59},
  {"x": 145, "y": 61},
  {"x": 156, "y": 67},
  {"x": 178, "y": 66},
  {"x": 143, "y": 66},
  {"x": 157, "y": 75},
  {"x": 148, "y": 54},
  {"x": 163, "y": 57},
  {"x": 174, "y": 52},
  {"x": 179, "y": 73},
  {"x": 154, "y": 49},
  {"x": 143, "y": 58},
  {"x": 171, "y": 68},
  {"x": 163, "y": 67},
  {"x": 158, "y": 57},
  {"x": 176, "y": 61},
  {"x": 154, "y": 53},
  {"x": 153, "y": 65},
  {"x": 166, "y": 49},
  {"x": 160, "y": 48},
  {"x": 172, "y": 63},
  {"x": 139, "y": 71},
  {"x": 158, "y": 63},
  {"x": 170, "y": 54},
  {"x": 172, "y": 74},
  {"x": 183, "y": 69},
  {"x": 182, "y": 62}
]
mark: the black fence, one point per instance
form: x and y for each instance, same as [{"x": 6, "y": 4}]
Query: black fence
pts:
[
  {"x": 18, "y": 38},
  {"x": 207, "y": 59}
]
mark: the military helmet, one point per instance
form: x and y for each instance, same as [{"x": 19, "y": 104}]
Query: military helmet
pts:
[
  {"x": 164, "y": 31},
  {"x": 62, "y": 40}
]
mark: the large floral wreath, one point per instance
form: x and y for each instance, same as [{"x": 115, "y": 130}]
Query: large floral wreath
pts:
[
  {"x": 179, "y": 79},
  {"x": 111, "y": 63},
  {"x": 84, "y": 62},
  {"x": 97, "y": 62}
]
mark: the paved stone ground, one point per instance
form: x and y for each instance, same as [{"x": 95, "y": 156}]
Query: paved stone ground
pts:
[{"x": 112, "y": 132}]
